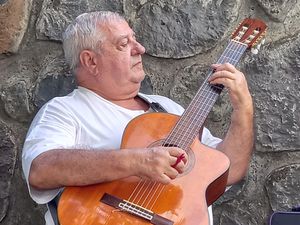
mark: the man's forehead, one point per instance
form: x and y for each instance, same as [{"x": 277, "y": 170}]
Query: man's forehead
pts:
[{"x": 118, "y": 29}]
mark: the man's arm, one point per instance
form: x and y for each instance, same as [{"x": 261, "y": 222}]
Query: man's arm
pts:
[
  {"x": 67, "y": 167},
  {"x": 238, "y": 142}
]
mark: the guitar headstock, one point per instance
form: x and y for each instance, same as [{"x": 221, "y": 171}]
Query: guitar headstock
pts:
[{"x": 250, "y": 32}]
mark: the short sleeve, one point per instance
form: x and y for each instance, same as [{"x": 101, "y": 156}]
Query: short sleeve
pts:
[
  {"x": 52, "y": 128},
  {"x": 208, "y": 139}
]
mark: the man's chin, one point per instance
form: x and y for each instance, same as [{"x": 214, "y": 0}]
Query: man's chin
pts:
[{"x": 139, "y": 79}]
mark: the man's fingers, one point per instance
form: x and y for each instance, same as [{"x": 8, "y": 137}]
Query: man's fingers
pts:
[
  {"x": 172, "y": 173},
  {"x": 178, "y": 159},
  {"x": 165, "y": 164},
  {"x": 176, "y": 152},
  {"x": 226, "y": 66},
  {"x": 164, "y": 179},
  {"x": 179, "y": 162},
  {"x": 222, "y": 74},
  {"x": 180, "y": 167}
]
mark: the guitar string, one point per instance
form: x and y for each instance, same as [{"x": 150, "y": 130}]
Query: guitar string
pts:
[
  {"x": 189, "y": 123},
  {"x": 144, "y": 203},
  {"x": 209, "y": 97},
  {"x": 186, "y": 114},
  {"x": 227, "y": 49},
  {"x": 208, "y": 92},
  {"x": 140, "y": 202},
  {"x": 206, "y": 96},
  {"x": 134, "y": 192},
  {"x": 192, "y": 110},
  {"x": 140, "y": 190},
  {"x": 201, "y": 101}
]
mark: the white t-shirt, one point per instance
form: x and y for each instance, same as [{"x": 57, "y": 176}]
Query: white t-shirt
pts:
[{"x": 85, "y": 120}]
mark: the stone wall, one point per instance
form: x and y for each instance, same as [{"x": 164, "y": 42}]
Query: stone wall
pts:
[{"x": 182, "y": 38}]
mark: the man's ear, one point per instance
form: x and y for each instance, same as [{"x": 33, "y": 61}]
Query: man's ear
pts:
[{"x": 88, "y": 61}]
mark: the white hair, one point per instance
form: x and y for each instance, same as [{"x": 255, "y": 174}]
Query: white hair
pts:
[{"x": 85, "y": 33}]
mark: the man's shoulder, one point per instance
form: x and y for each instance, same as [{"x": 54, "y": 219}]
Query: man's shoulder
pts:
[
  {"x": 63, "y": 101},
  {"x": 58, "y": 105}
]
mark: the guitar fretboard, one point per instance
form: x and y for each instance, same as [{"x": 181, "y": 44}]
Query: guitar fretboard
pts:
[{"x": 190, "y": 123}]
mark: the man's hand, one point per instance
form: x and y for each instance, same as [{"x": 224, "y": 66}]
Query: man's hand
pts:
[
  {"x": 161, "y": 164},
  {"x": 236, "y": 83}
]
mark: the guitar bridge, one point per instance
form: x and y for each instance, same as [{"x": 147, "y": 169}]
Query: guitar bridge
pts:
[{"x": 134, "y": 209}]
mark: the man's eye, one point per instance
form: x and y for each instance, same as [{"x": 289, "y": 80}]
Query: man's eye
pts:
[{"x": 124, "y": 44}]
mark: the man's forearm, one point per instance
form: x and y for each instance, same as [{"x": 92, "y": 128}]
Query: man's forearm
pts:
[
  {"x": 238, "y": 143},
  {"x": 67, "y": 167}
]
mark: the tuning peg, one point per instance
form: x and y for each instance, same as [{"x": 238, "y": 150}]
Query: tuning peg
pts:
[
  {"x": 258, "y": 46},
  {"x": 254, "y": 51}
]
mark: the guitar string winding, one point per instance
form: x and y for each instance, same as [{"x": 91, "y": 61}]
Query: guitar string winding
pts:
[{"x": 209, "y": 97}]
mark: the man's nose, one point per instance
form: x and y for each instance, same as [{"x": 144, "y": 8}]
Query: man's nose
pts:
[{"x": 138, "y": 48}]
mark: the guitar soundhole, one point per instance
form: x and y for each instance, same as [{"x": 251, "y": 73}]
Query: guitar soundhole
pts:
[{"x": 191, "y": 157}]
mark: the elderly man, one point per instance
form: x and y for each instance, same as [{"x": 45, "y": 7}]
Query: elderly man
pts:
[{"x": 73, "y": 140}]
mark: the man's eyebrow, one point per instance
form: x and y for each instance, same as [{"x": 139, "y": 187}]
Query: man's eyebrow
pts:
[{"x": 122, "y": 36}]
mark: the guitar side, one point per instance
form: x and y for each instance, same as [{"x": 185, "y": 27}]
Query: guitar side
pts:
[{"x": 184, "y": 201}]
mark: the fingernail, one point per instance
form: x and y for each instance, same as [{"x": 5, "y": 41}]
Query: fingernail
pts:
[{"x": 179, "y": 159}]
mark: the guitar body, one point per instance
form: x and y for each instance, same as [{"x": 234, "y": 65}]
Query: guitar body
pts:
[{"x": 184, "y": 201}]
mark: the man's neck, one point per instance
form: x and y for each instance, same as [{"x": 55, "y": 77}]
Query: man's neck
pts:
[
  {"x": 129, "y": 101},
  {"x": 127, "y": 98}
]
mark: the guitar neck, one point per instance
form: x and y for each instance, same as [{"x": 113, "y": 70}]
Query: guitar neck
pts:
[{"x": 190, "y": 123}]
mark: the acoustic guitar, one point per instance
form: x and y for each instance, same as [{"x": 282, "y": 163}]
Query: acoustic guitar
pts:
[{"x": 184, "y": 201}]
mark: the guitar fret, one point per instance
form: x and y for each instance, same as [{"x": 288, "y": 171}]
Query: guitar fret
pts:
[
  {"x": 207, "y": 93},
  {"x": 229, "y": 59}
]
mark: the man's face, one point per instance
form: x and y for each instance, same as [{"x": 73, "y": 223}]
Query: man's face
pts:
[{"x": 120, "y": 57}]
